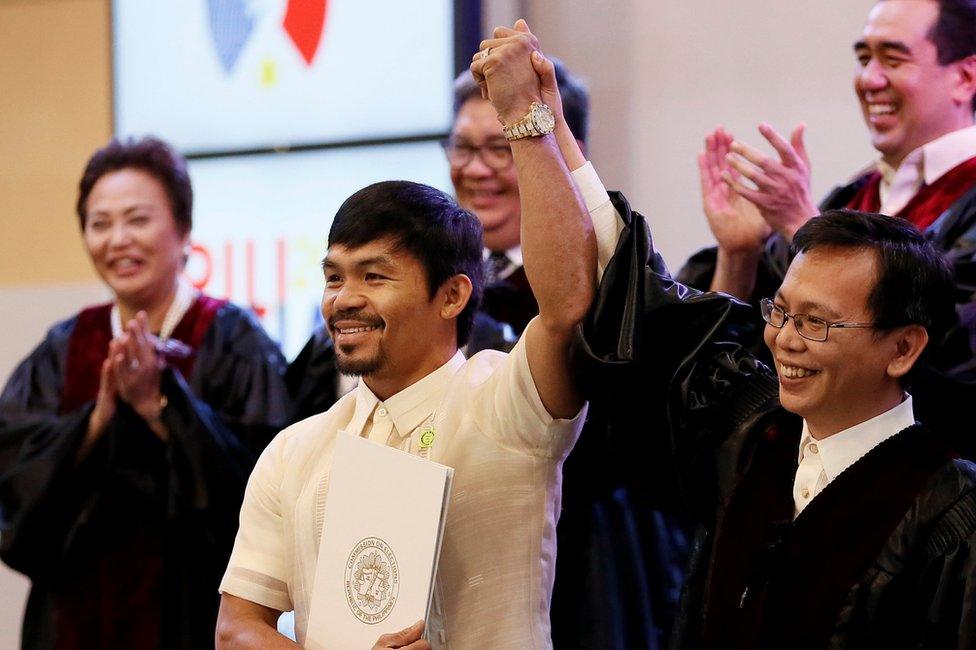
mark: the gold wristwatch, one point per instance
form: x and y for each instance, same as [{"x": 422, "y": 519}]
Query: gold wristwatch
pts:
[{"x": 538, "y": 121}]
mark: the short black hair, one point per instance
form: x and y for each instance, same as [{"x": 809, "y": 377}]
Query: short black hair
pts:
[
  {"x": 954, "y": 32},
  {"x": 575, "y": 96},
  {"x": 424, "y": 222},
  {"x": 914, "y": 284},
  {"x": 148, "y": 154}
]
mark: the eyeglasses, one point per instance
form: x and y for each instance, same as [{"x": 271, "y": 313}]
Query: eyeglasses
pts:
[
  {"x": 496, "y": 156},
  {"x": 809, "y": 327}
]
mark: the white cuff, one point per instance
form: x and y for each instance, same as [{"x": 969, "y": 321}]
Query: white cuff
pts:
[
  {"x": 607, "y": 224},
  {"x": 590, "y": 186}
]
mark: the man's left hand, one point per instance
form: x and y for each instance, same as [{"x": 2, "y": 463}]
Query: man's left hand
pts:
[{"x": 407, "y": 638}]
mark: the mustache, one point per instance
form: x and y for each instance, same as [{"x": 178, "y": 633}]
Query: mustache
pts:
[{"x": 369, "y": 320}]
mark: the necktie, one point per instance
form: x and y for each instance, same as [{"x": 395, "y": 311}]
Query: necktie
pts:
[{"x": 495, "y": 265}]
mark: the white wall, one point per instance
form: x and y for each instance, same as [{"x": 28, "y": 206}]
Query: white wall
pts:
[
  {"x": 29, "y": 310},
  {"x": 662, "y": 74}
]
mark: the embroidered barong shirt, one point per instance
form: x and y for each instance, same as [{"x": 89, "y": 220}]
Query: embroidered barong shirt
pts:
[{"x": 496, "y": 567}]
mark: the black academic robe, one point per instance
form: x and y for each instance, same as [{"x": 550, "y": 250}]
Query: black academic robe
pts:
[
  {"x": 313, "y": 376},
  {"x": 126, "y": 548},
  {"x": 619, "y": 562},
  {"x": 884, "y": 557}
]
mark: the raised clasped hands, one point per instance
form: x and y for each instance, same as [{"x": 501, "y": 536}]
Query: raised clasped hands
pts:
[
  {"x": 736, "y": 222},
  {"x": 137, "y": 368},
  {"x": 505, "y": 68},
  {"x": 131, "y": 372},
  {"x": 782, "y": 186}
]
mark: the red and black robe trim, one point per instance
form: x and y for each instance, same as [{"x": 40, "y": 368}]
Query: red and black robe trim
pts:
[
  {"x": 88, "y": 347},
  {"x": 929, "y": 202}
]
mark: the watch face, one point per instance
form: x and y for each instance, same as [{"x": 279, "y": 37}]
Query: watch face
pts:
[{"x": 542, "y": 118}]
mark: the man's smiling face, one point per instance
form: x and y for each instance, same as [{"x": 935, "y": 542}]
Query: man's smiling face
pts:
[
  {"x": 907, "y": 98},
  {"x": 378, "y": 309},
  {"x": 837, "y": 383}
]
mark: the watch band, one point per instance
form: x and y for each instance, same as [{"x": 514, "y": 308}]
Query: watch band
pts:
[{"x": 538, "y": 121}]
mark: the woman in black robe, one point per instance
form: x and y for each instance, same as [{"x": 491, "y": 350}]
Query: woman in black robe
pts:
[{"x": 127, "y": 435}]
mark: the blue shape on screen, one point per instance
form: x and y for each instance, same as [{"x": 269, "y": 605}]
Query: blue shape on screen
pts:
[{"x": 230, "y": 26}]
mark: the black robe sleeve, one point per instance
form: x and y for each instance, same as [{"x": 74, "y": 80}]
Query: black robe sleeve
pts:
[
  {"x": 921, "y": 591},
  {"x": 313, "y": 377},
  {"x": 942, "y": 592},
  {"x": 220, "y": 420},
  {"x": 41, "y": 492},
  {"x": 668, "y": 363},
  {"x": 951, "y": 615}
]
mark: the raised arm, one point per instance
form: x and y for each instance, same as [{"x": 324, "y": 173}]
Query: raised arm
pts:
[
  {"x": 664, "y": 364},
  {"x": 557, "y": 237},
  {"x": 607, "y": 223}
]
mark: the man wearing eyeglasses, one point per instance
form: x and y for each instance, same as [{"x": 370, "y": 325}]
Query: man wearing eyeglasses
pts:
[{"x": 828, "y": 518}]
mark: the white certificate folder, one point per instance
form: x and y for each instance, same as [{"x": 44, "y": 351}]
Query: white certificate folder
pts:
[{"x": 381, "y": 539}]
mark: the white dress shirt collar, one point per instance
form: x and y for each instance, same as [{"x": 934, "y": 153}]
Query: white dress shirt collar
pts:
[
  {"x": 940, "y": 155},
  {"x": 924, "y": 165},
  {"x": 411, "y": 406},
  {"x": 843, "y": 449}
]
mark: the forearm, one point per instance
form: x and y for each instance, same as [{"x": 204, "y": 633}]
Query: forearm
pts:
[
  {"x": 244, "y": 625},
  {"x": 569, "y": 146},
  {"x": 152, "y": 415},
  {"x": 93, "y": 433},
  {"x": 557, "y": 237},
  {"x": 735, "y": 273},
  {"x": 248, "y": 635}
]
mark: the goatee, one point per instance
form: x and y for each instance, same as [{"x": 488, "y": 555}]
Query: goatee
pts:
[{"x": 359, "y": 367}]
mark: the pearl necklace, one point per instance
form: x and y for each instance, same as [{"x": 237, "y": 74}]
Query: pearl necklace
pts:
[{"x": 182, "y": 301}]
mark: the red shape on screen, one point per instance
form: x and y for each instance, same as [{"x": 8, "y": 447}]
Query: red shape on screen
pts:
[{"x": 304, "y": 24}]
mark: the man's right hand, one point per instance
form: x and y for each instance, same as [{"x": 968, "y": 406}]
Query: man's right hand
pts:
[
  {"x": 569, "y": 146},
  {"x": 782, "y": 191},
  {"x": 408, "y": 638},
  {"x": 736, "y": 223}
]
